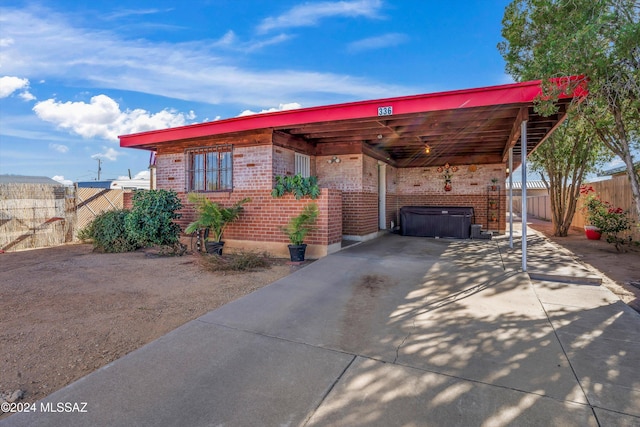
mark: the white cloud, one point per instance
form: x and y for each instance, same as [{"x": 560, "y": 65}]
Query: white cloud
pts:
[
  {"x": 9, "y": 84},
  {"x": 27, "y": 96},
  {"x": 6, "y": 42},
  {"x": 310, "y": 14},
  {"x": 61, "y": 180},
  {"x": 378, "y": 42},
  {"x": 55, "y": 48},
  {"x": 102, "y": 118},
  {"x": 281, "y": 107},
  {"x": 108, "y": 153},
  {"x": 125, "y": 13},
  {"x": 60, "y": 148}
]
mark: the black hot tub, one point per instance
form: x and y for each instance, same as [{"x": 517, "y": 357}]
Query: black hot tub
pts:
[{"x": 436, "y": 221}]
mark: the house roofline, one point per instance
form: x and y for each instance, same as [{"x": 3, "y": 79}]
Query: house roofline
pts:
[{"x": 513, "y": 93}]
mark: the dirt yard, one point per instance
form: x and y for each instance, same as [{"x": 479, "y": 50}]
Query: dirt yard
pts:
[
  {"x": 620, "y": 270},
  {"x": 66, "y": 311}
]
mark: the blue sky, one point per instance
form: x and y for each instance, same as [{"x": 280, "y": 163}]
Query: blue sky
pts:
[{"x": 75, "y": 75}]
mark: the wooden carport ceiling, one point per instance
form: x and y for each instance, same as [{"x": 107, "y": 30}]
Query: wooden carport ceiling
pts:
[
  {"x": 470, "y": 126},
  {"x": 480, "y": 135}
]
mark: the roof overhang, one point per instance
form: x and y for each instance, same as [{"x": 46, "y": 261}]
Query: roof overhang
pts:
[{"x": 471, "y": 126}]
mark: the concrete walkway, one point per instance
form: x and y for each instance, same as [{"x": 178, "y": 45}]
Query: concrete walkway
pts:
[{"x": 398, "y": 331}]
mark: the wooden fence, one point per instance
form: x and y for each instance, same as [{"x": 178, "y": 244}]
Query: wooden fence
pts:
[
  {"x": 90, "y": 202},
  {"x": 616, "y": 191}
]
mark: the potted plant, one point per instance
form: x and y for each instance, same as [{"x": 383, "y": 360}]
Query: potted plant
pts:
[
  {"x": 298, "y": 228},
  {"x": 603, "y": 218},
  {"x": 594, "y": 209},
  {"x": 213, "y": 218},
  {"x": 494, "y": 184}
]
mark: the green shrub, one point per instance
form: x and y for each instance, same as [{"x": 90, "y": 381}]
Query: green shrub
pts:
[
  {"x": 150, "y": 222},
  {"x": 296, "y": 185},
  {"x": 108, "y": 232}
]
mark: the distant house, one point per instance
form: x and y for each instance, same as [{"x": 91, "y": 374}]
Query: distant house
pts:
[
  {"x": 620, "y": 170},
  {"x": 117, "y": 184},
  {"x": 371, "y": 158}
]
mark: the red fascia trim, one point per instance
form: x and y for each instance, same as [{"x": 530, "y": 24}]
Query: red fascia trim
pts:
[{"x": 515, "y": 93}]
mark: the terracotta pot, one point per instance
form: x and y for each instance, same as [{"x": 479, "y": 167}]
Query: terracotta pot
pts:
[
  {"x": 447, "y": 187},
  {"x": 592, "y": 233}
]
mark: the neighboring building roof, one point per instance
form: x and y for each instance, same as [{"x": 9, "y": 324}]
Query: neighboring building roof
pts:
[
  {"x": 470, "y": 126},
  {"x": 94, "y": 184},
  {"x": 531, "y": 185},
  {"x": 25, "y": 179},
  {"x": 619, "y": 170},
  {"x": 131, "y": 184}
]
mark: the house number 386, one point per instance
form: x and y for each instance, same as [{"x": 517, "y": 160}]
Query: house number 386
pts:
[{"x": 385, "y": 111}]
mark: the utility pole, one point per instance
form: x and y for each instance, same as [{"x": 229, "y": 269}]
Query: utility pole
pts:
[{"x": 99, "y": 167}]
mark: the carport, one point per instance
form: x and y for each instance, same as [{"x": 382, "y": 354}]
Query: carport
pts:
[{"x": 493, "y": 126}]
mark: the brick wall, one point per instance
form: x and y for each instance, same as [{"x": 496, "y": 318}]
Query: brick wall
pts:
[
  {"x": 344, "y": 176},
  {"x": 283, "y": 161},
  {"x": 170, "y": 172},
  {"x": 425, "y": 186},
  {"x": 349, "y": 201},
  {"x": 369, "y": 174},
  {"x": 264, "y": 215},
  {"x": 359, "y": 213},
  {"x": 429, "y": 181},
  {"x": 127, "y": 199},
  {"x": 253, "y": 168}
]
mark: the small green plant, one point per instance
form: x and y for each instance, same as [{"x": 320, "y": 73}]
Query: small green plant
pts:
[
  {"x": 213, "y": 216},
  {"x": 108, "y": 232},
  {"x": 299, "y": 226},
  {"x": 151, "y": 221},
  {"x": 296, "y": 185},
  {"x": 241, "y": 261}
]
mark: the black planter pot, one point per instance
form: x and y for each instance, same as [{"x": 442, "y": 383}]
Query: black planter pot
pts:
[
  {"x": 296, "y": 252},
  {"x": 214, "y": 247}
]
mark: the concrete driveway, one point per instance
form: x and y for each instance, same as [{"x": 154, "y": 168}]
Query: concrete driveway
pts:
[{"x": 398, "y": 331}]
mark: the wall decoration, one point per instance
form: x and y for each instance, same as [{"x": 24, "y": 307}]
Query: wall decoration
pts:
[{"x": 447, "y": 172}]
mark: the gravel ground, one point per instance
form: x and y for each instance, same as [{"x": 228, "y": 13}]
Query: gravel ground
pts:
[{"x": 67, "y": 311}]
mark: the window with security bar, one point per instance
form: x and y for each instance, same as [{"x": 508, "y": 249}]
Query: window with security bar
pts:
[
  {"x": 303, "y": 165},
  {"x": 210, "y": 168}
]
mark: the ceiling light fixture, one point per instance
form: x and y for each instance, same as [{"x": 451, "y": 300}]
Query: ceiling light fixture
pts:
[{"x": 427, "y": 149}]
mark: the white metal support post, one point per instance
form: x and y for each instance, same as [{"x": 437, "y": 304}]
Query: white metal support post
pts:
[
  {"x": 511, "y": 197},
  {"x": 523, "y": 165}
]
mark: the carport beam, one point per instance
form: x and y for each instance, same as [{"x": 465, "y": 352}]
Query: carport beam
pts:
[
  {"x": 523, "y": 165},
  {"x": 511, "y": 197}
]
